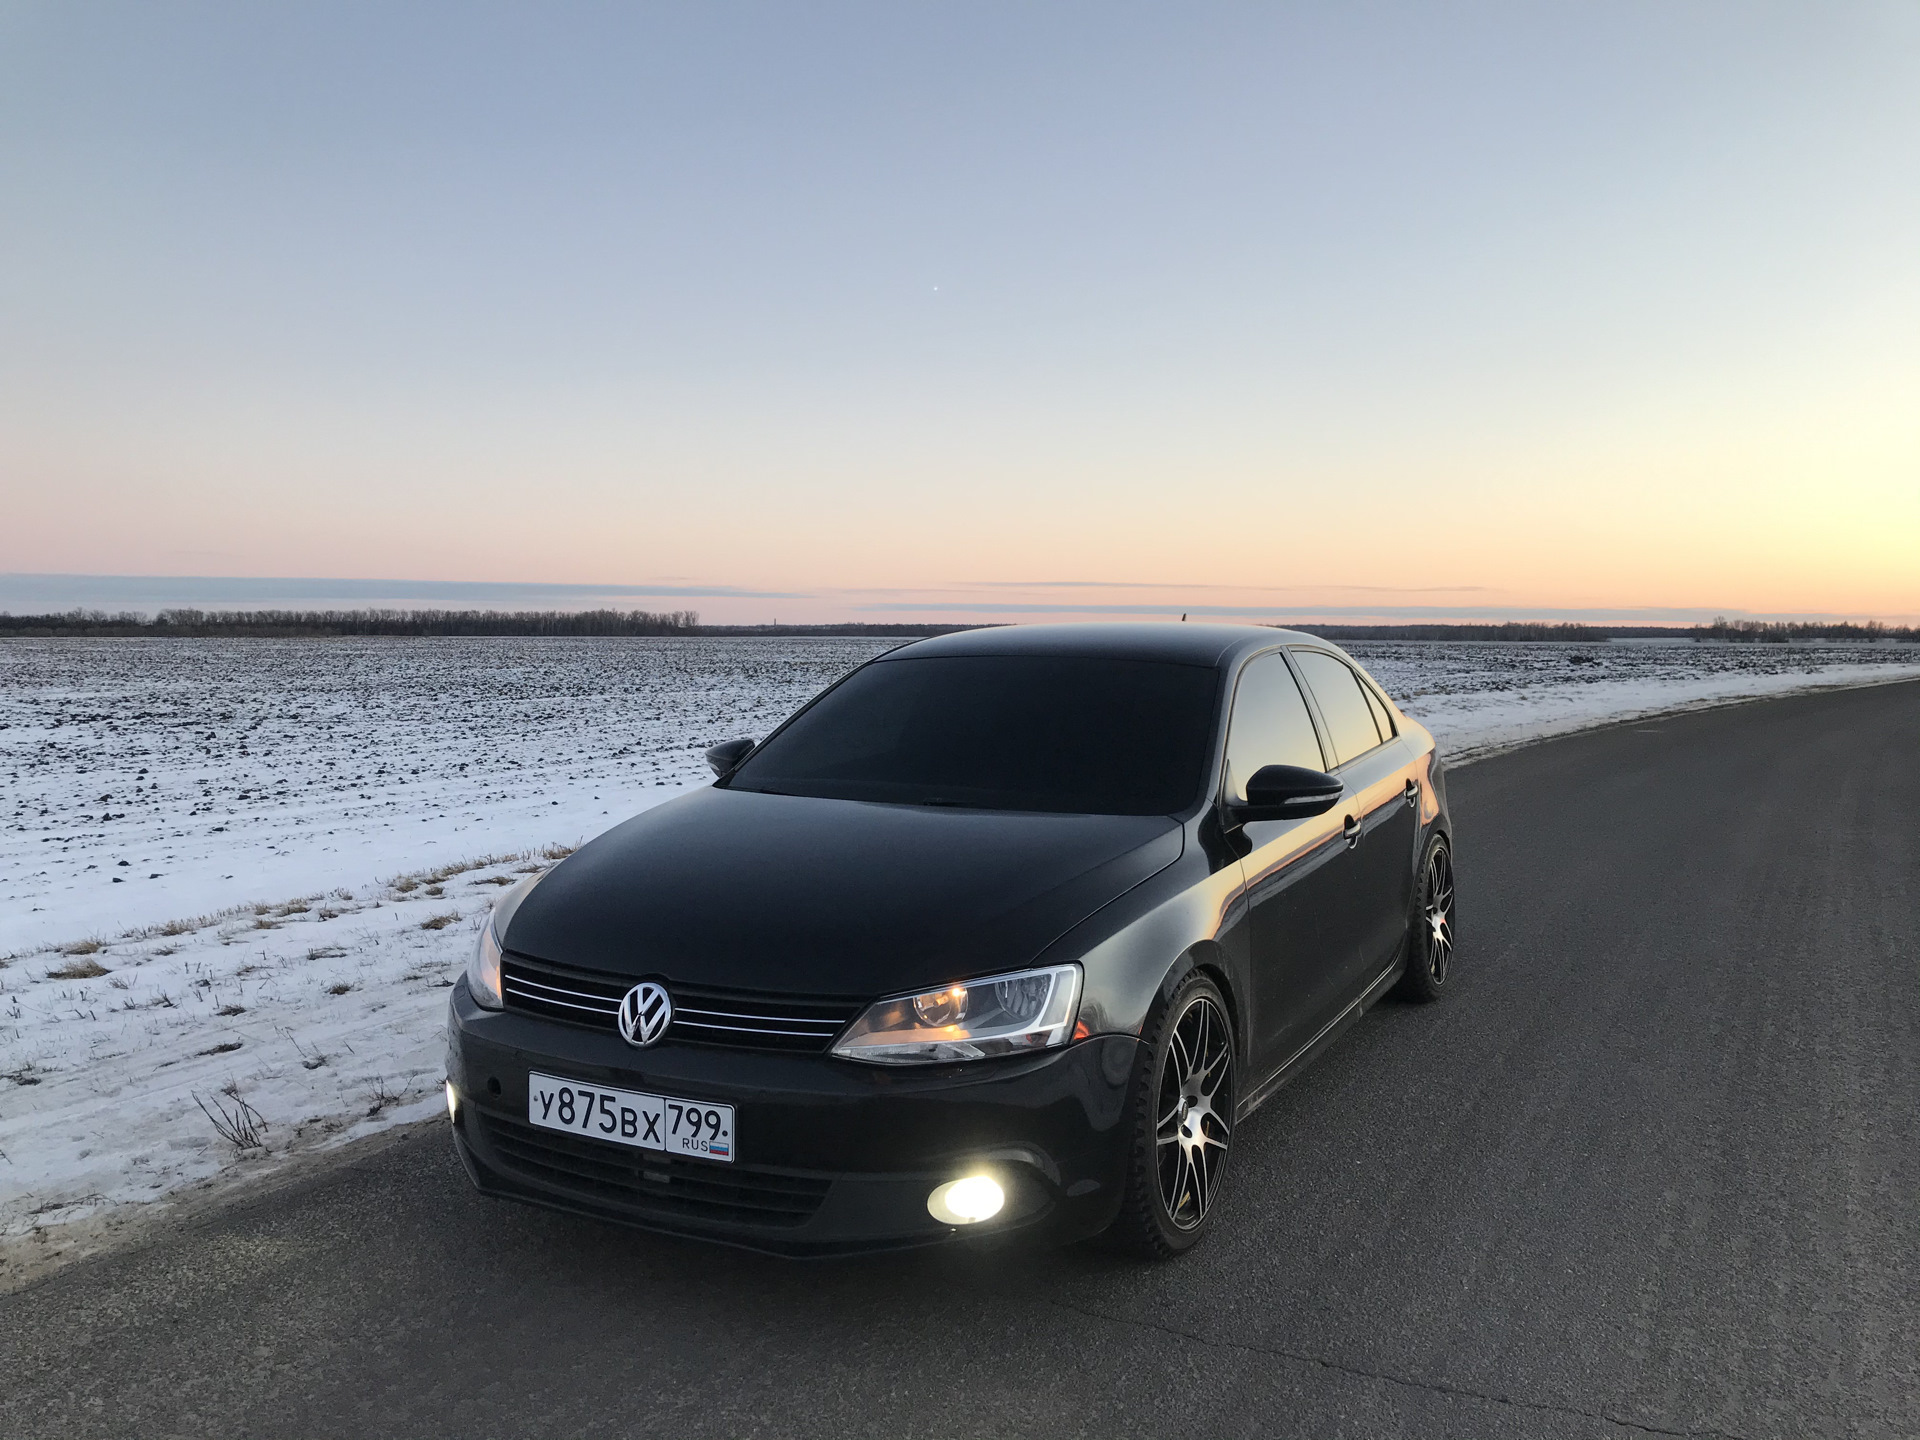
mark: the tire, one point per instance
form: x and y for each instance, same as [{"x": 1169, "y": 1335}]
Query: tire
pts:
[
  {"x": 1183, "y": 1095},
  {"x": 1430, "y": 928}
]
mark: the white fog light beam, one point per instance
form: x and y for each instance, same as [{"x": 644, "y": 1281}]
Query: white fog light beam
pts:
[{"x": 968, "y": 1201}]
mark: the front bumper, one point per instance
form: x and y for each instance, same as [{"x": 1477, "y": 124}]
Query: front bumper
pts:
[{"x": 832, "y": 1156}]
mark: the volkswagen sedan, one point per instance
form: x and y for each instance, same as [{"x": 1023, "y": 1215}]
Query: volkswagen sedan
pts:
[{"x": 1008, "y": 931}]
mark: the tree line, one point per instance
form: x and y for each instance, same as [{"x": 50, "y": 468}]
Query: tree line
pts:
[
  {"x": 294, "y": 623},
  {"x": 1782, "y": 632},
  {"x": 1509, "y": 630},
  {"x": 288, "y": 623}
]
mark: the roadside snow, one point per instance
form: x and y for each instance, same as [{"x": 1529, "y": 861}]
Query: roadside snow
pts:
[
  {"x": 189, "y": 919},
  {"x": 312, "y": 1021},
  {"x": 1479, "y": 699}
]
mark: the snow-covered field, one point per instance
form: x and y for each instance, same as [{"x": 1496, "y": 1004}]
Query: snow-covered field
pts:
[{"x": 238, "y": 876}]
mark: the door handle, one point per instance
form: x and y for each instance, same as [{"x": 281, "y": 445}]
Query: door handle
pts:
[
  {"x": 1351, "y": 830},
  {"x": 1412, "y": 792}
]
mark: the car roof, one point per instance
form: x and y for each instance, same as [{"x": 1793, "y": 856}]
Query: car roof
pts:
[{"x": 1211, "y": 645}]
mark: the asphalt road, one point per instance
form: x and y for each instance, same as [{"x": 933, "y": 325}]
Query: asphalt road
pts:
[{"x": 1653, "y": 1167}]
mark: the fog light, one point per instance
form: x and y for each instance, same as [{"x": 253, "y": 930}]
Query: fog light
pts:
[
  {"x": 453, "y": 1103},
  {"x": 968, "y": 1201}
]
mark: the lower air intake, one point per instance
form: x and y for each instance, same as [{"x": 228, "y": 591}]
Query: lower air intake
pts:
[{"x": 658, "y": 1186}]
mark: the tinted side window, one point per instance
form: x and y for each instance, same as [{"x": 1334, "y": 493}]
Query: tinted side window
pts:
[
  {"x": 1343, "y": 705},
  {"x": 1380, "y": 716},
  {"x": 1270, "y": 724}
]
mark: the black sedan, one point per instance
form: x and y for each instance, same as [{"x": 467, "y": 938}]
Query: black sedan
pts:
[{"x": 1006, "y": 931}]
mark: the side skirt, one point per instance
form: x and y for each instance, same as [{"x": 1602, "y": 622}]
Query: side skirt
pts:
[{"x": 1296, "y": 1063}]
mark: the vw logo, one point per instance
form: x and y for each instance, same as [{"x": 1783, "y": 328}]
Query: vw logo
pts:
[{"x": 645, "y": 1013}]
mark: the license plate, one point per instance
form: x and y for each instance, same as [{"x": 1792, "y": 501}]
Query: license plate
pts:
[{"x": 626, "y": 1117}]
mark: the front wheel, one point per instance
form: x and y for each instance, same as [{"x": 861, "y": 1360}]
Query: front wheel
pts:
[
  {"x": 1183, "y": 1124},
  {"x": 1430, "y": 929}
]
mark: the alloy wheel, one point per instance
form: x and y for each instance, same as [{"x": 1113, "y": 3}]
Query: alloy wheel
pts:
[
  {"x": 1195, "y": 1121},
  {"x": 1438, "y": 916}
]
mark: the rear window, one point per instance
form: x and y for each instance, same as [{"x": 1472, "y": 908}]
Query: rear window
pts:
[{"x": 1091, "y": 736}]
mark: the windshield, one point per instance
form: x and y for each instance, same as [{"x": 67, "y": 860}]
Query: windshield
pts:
[{"x": 1001, "y": 732}]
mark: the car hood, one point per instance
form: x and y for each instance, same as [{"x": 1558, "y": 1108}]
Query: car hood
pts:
[{"x": 831, "y": 897}]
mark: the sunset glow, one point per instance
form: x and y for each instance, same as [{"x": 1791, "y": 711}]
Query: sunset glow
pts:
[{"x": 862, "y": 314}]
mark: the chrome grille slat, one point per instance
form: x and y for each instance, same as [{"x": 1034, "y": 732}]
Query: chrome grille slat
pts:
[
  {"x": 701, "y": 1016},
  {"x": 784, "y": 1019},
  {"x": 526, "y": 984},
  {"x": 613, "y": 1010},
  {"x": 745, "y": 1030}
]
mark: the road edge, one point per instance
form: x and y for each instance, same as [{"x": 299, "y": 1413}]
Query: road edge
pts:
[
  {"x": 36, "y": 1256},
  {"x": 1472, "y": 755}
]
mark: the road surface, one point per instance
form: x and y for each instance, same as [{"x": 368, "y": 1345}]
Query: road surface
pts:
[{"x": 1652, "y": 1168}]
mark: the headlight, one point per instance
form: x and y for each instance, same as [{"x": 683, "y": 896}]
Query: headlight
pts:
[
  {"x": 1000, "y": 1015},
  {"x": 483, "y": 970}
]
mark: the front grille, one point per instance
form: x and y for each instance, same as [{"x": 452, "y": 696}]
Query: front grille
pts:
[
  {"x": 701, "y": 1015},
  {"x": 660, "y": 1186},
  {"x": 767, "y": 1022},
  {"x": 562, "y": 994}
]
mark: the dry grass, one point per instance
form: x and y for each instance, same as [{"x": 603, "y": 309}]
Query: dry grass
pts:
[
  {"x": 381, "y": 1096},
  {"x": 264, "y": 917},
  {"x": 342, "y": 988},
  {"x": 242, "y": 1127},
  {"x": 78, "y": 970},
  {"x": 431, "y": 880},
  {"x": 187, "y": 925},
  {"x": 439, "y": 922},
  {"x": 406, "y": 884}
]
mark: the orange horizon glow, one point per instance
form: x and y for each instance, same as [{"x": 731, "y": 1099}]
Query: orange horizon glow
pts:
[{"x": 1316, "y": 314}]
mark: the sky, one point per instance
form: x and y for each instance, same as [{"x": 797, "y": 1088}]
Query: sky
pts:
[{"x": 940, "y": 312}]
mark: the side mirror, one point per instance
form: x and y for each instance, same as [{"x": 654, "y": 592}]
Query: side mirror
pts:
[
  {"x": 1287, "y": 792},
  {"x": 729, "y": 753}
]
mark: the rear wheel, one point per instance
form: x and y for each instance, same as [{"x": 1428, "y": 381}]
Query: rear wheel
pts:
[
  {"x": 1183, "y": 1124},
  {"x": 1430, "y": 931}
]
